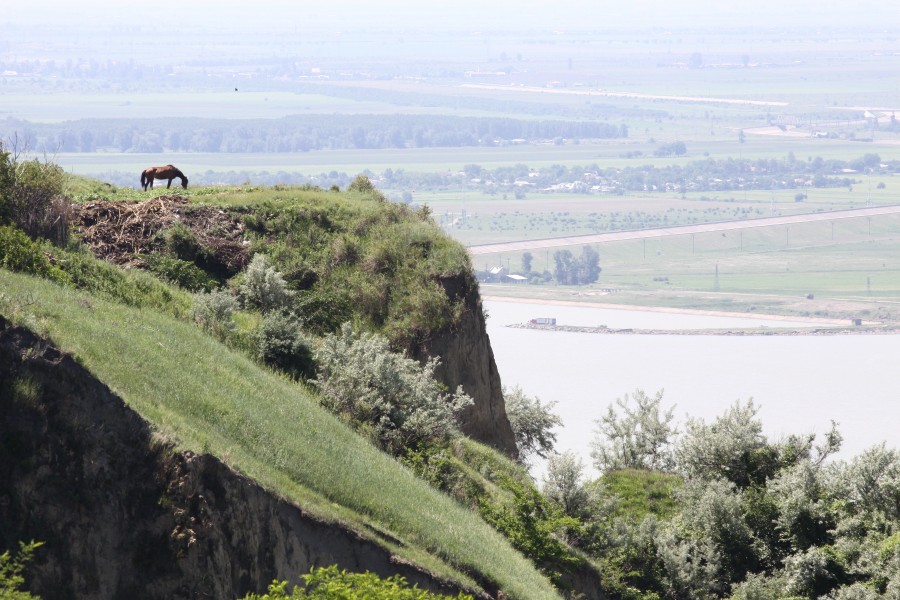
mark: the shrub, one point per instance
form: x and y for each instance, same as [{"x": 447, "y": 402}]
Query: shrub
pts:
[
  {"x": 133, "y": 287},
  {"x": 564, "y": 485},
  {"x": 263, "y": 287},
  {"x": 534, "y": 526},
  {"x": 282, "y": 345},
  {"x": 19, "y": 253},
  {"x": 392, "y": 396},
  {"x": 808, "y": 574},
  {"x": 364, "y": 185},
  {"x": 213, "y": 311},
  {"x": 726, "y": 448},
  {"x": 328, "y": 583},
  {"x": 181, "y": 242},
  {"x": 639, "y": 438},
  {"x": 532, "y": 423},
  {"x": 182, "y": 273},
  {"x": 31, "y": 197}
]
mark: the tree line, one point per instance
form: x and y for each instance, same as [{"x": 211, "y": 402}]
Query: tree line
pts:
[{"x": 300, "y": 133}]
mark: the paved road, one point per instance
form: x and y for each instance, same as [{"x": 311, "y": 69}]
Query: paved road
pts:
[{"x": 615, "y": 236}]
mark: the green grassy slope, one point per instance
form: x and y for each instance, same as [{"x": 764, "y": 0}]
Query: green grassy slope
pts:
[{"x": 210, "y": 399}]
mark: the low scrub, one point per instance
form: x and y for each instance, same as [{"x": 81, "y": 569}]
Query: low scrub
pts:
[{"x": 328, "y": 583}]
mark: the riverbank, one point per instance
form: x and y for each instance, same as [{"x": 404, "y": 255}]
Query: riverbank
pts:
[
  {"x": 675, "y": 310},
  {"x": 760, "y": 331}
]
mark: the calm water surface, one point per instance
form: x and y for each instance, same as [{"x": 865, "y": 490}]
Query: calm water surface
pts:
[{"x": 800, "y": 383}]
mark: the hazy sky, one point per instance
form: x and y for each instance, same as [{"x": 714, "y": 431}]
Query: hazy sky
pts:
[{"x": 506, "y": 14}]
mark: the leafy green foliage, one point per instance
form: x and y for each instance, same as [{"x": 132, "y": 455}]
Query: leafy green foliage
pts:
[
  {"x": 733, "y": 447},
  {"x": 181, "y": 242},
  {"x": 393, "y": 397},
  {"x": 132, "y": 287},
  {"x": 282, "y": 345},
  {"x": 31, "y": 197},
  {"x": 183, "y": 273},
  {"x": 11, "y": 568},
  {"x": 329, "y": 583},
  {"x": 535, "y": 527},
  {"x": 532, "y": 423},
  {"x": 19, "y": 253},
  {"x": 214, "y": 312},
  {"x": 263, "y": 287},
  {"x": 355, "y": 258},
  {"x": 640, "y": 438},
  {"x": 564, "y": 485}
]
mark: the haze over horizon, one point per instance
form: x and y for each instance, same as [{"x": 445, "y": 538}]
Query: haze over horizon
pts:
[{"x": 502, "y": 14}]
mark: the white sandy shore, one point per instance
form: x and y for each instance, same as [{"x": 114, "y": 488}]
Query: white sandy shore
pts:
[{"x": 664, "y": 309}]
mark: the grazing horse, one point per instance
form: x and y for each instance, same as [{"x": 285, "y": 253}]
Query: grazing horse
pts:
[{"x": 167, "y": 172}]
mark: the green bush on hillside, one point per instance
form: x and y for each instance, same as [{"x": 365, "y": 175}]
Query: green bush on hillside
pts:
[
  {"x": 31, "y": 197},
  {"x": 329, "y": 583},
  {"x": 263, "y": 287},
  {"x": 351, "y": 258},
  {"x": 393, "y": 398},
  {"x": 214, "y": 312},
  {"x": 185, "y": 274},
  {"x": 536, "y": 528},
  {"x": 283, "y": 345},
  {"x": 132, "y": 287},
  {"x": 19, "y": 253},
  {"x": 532, "y": 423}
]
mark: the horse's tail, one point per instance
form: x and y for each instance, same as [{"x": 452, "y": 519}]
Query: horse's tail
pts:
[{"x": 144, "y": 178}]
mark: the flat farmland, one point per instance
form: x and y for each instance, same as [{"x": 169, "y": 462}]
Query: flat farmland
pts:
[{"x": 831, "y": 268}]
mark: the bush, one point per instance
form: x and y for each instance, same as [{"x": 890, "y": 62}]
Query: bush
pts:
[
  {"x": 532, "y": 423},
  {"x": 534, "y": 526},
  {"x": 182, "y": 273},
  {"x": 19, "y": 253},
  {"x": 213, "y": 311},
  {"x": 31, "y": 197},
  {"x": 181, "y": 242},
  {"x": 329, "y": 583},
  {"x": 393, "y": 397},
  {"x": 282, "y": 345},
  {"x": 564, "y": 485},
  {"x": 364, "y": 185},
  {"x": 639, "y": 438},
  {"x": 263, "y": 287},
  {"x": 133, "y": 287}
]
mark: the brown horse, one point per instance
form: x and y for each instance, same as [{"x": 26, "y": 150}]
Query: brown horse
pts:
[{"x": 167, "y": 172}]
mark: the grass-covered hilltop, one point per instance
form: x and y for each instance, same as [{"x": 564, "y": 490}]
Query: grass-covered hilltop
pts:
[{"x": 273, "y": 392}]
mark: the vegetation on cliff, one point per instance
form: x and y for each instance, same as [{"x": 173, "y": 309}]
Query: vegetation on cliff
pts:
[{"x": 150, "y": 342}]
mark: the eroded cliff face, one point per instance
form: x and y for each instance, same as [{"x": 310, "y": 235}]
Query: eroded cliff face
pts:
[
  {"x": 467, "y": 360},
  {"x": 123, "y": 515}
]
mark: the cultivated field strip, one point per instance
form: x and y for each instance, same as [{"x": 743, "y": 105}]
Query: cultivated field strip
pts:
[{"x": 617, "y": 236}]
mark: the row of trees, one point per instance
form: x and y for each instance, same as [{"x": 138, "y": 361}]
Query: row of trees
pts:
[
  {"x": 297, "y": 133},
  {"x": 711, "y": 175}
]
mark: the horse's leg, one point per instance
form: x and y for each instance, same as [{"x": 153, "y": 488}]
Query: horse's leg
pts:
[{"x": 168, "y": 185}]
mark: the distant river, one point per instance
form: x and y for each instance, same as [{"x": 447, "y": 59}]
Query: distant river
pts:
[{"x": 800, "y": 383}]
